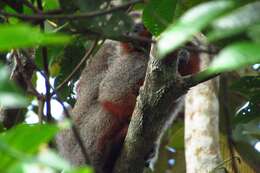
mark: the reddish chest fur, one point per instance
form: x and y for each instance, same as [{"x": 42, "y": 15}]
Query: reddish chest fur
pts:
[
  {"x": 122, "y": 110},
  {"x": 111, "y": 140}
]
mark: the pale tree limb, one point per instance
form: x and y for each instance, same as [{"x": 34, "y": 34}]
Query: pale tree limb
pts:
[{"x": 202, "y": 148}]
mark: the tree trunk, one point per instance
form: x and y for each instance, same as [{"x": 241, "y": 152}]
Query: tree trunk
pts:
[{"x": 202, "y": 148}]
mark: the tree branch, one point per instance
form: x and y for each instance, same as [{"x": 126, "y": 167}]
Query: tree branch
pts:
[
  {"x": 207, "y": 115},
  {"x": 46, "y": 70},
  {"x": 71, "y": 16},
  {"x": 193, "y": 80},
  {"x": 159, "y": 96},
  {"x": 67, "y": 114},
  {"x": 157, "y": 105}
]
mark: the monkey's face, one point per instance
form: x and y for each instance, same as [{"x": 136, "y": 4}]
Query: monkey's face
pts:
[{"x": 141, "y": 44}]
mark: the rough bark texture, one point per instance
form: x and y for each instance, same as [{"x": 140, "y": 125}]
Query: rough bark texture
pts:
[
  {"x": 202, "y": 148},
  {"x": 159, "y": 96}
]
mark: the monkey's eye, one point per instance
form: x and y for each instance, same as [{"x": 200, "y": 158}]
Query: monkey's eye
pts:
[
  {"x": 139, "y": 27},
  {"x": 183, "y": 56}
]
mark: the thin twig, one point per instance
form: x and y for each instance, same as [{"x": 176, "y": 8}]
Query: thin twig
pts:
[
  {"x": 86, "y": 56},
  {"x": 46, "y": 70},
  {"x": 197, "y": 49},
  {"x": 74, "y": 128},
  {"x": 47, "y": 84},
  {"x": 221, "y": 165},
  {"x": 71, "y": 16}
]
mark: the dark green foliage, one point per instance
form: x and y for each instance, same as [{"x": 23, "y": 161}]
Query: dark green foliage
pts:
[
  {"x": 14, "y": 143},
  {"x": 248, "y": 86},
  {"x": 71, "y": 56},
  {"x": 157, "y": 15},
  {"x": 246, "y": 122}
]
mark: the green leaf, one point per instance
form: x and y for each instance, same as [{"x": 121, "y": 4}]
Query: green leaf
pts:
[
  {"x": 81, "y": 170},
  {"x": 34, "y": 135},
  {"x": 27, "y": 10},
  {"x": 11, "y": 20},
  {"x": 47, "y": 161},
  {"x": 236, "y": 56},
  {"x": 236, "y": 22},
  {"x": 157, "y": 15},
  {"x": 50, "y": 4},
  {"x": 183, "y": 6},
  {"x": 242, "y": 17},
  {"x": 12, "y": 100},
  {"x": 23, "y": 139},
  {"x": 216, "y": 35},
  {"x": 254, "y": 33},
  {"x": 72, "y": 55},
  {"x": 190, "y": 24},
  {"x": 28, "y": 167},
  {"x": 52, "y": 159},
  {"x": 20, "y": 36}
]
